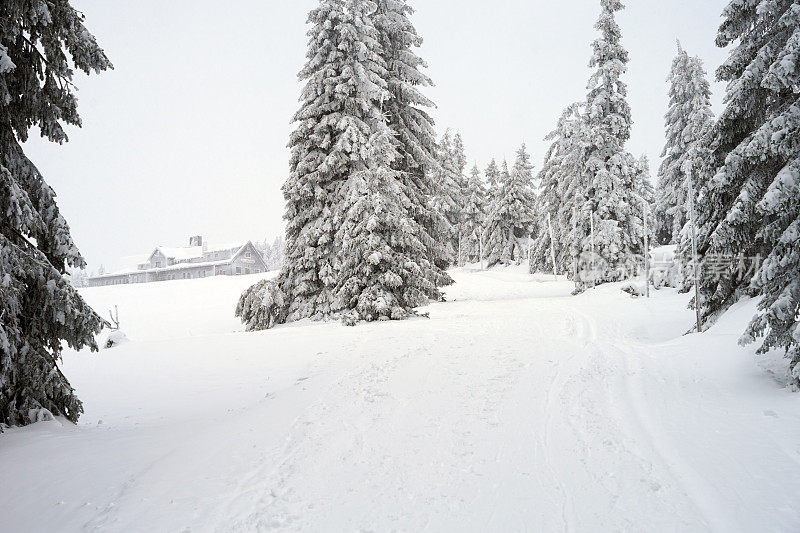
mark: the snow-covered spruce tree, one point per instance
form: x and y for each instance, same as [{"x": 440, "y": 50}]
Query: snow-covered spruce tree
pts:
[
  {"x": 458, "y": 161},
  {"x": 644, "y": 194},
  {"x": 494, "y": 187},
  {"x": 492, "y": 176},
  {"x": 750, "y": 204},
  {"x": 522, "y": 200},
  {"x": 39, "y": 310},
  {"x": 560, "y": 196},
  {"x": 643, "y": 181},
  {"x": 473, "y": 217},
  {"x": 380, "y": 275},
  {"x": 698, "y": 166},
  {"x": 610, "y": 197},
  {"x": 344, "y": 85},
  {"x": 448, "y": 200},
  {"x": 493, "y": 183},
  {"x": 688, "y": 120},
  {"x": 510, "y": 219},
  {"x": 498, "y": 246},
  {"x": 342, "y": 114},
  {"x": 415, "y": 139}
]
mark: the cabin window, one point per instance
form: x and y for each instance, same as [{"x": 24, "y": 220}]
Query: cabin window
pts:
[
  {"x": 246, "y": 270},
  {"x": 248, "y": 255},
  {"x": 238, "y": 270}
]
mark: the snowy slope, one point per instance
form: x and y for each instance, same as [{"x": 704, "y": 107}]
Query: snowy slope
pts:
[{"x": 515, "y": 406}]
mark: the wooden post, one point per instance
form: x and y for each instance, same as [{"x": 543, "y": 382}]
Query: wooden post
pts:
[
  {"x": 646, "y": 253},
  {"x": 695, "y": 269},
  {"x": 552, "y": 246},
  {"x": 594, "y": 265},
  {"x": 530, "y": 245},
  {"x": 480, "y": 248},
  {"x": 460, "y": 253},
  {"x": 577, "y": 245}
]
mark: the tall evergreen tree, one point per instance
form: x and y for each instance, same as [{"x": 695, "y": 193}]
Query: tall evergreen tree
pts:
[
  {"x": 688, "y": 120},
  {"x": 415, "y": 139},
  {"x": 561, "y": 195},
  {"x": 610, "y": 171},
  {"x": 498, "y": 242},
  {"x": 39, "y": 310},
  {"x": 749, "y": 204},
  {"x": 510, "y": 219},
  {"x": 473, "y": 217},
  {"x": 494, "y": 188},
  {"x": 458, "y": 160},
  {"x": 449, "y": 198},
  {"x": 643, "y": 200},
  {"x": 343, "y": 151},
  {"x": 345, "y": 85},
  {"x": 340, "y": 104}
]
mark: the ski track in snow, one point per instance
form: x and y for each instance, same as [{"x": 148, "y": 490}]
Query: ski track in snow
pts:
[{"x": 514, "y": 407}]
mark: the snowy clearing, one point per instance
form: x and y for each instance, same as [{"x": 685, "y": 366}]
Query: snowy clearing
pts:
[{"x": 514, "y": 407}]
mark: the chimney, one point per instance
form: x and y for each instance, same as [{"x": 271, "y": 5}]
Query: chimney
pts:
[{"x": 197, "y": 240}]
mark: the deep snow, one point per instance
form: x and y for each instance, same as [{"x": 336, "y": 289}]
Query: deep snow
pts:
[{"x": 514, "y": 407}]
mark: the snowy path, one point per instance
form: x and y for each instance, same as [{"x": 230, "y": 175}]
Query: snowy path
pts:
[{"x": 514, "y": 407}]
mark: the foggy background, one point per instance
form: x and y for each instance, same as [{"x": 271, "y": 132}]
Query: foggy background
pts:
[{"x": 188, "y": 134}]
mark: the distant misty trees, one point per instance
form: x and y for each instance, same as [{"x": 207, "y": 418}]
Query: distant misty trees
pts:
[
  {"x": 39, "y": 310},
  {"x": 509, "y": 217},
  {"x": 273, "y": 253},
  {"x": 473, "y": 217},
  {"x": 77, "y": 277}
]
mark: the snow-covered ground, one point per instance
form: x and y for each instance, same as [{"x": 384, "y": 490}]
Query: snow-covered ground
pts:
[{"x": 514, "y": 407}]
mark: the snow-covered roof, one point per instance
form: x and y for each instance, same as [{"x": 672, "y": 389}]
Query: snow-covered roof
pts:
[
  {"x": 128, "y": 264},
  {"x": 186, "y": 253},
  {"x": 179, "y": 266},
  {"x": 176, "y": 266},
  {"x": 225, "y": 247},
  {"x": 183, "y": 253}
]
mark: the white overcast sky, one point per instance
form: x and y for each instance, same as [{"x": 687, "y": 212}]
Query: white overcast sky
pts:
[{"x": 188, "y": 134}]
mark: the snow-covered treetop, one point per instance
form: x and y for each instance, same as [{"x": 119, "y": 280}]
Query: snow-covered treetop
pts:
[
  {"x": 406, "y": 107},
  {"x": 606, "y": 101},
  {"x": 35, "y": 74}
]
